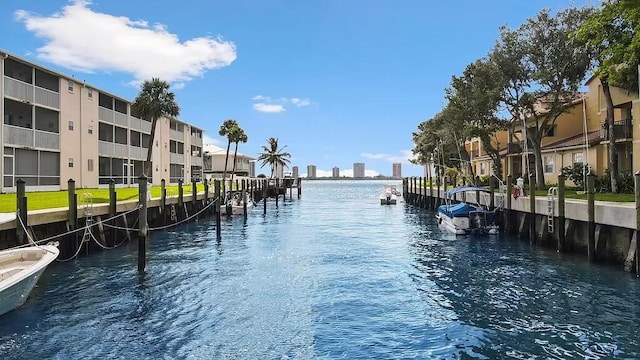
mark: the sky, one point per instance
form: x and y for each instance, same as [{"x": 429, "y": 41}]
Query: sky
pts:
[{"x": 337, "y": 82}]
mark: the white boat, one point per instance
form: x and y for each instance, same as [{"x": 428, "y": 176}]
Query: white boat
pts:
[
  {"x": 389, "y": 195},
  {"x": 20, "y": 270},
  {"x": 235, "y": 203},
  {"x": 466, "y": 217}
]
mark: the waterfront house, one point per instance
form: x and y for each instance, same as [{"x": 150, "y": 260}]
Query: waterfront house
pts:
[
  {"x": 56, "y": 128},
  {"x": 214, "y": 159}
]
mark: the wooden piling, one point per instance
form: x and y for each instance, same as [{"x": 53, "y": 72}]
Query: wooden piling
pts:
[
  {"x": 206, "y": 193},
  {"x": 591, "y": 245},
  {"x": 21, "y": 213},
  {"x": 532, "y": 209},
  {"x": 142, "y": 223},
  {"x": 265, "y": 186},
  {"x": 216, "y": 207},
  {"x": 635, "y": 233},
  {"x": 180, "y": 196},
  {"x": 113, "y": 201},
  {"x": 73, "y": 209},
  {"x": 561, "y": 213},
  {"x": 194, "y": 193},
  {"x": 244, "y": 198},
  {"x": 507, "y": 213},
  {"x": 277, "y": 187}
]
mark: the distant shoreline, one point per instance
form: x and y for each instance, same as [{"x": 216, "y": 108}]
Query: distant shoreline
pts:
[{"x": 352, "y": 178}]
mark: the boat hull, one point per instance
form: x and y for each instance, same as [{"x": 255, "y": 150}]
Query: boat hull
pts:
[{"x": 20, "y": 270}]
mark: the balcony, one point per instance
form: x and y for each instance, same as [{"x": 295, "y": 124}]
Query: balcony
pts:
[
  {"x": 176, "y": 135},
  {"x": 622, "y": 129},
  {"x": 19, "y": 136}
]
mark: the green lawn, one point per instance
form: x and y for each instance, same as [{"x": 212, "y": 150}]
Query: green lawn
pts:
[{"x": 55, "y": 199}]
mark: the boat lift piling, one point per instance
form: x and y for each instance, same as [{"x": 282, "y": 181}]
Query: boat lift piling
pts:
[
  {"x": 264, "y": 195},
  {"x": 244, "y": 199},
  {"x": 143, "y": 227},
  {"x": 591, "y": 253},
  {"x": 21, "y": 213},
  {"x": 216, "y": 207},
  {"x": 113, "y": 200},
  {"x": 561, "y": 211},
  {"x": 532, "y": 209}
]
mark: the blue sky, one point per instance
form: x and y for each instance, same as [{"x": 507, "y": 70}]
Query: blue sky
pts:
[{"x": 336, "y": 81}]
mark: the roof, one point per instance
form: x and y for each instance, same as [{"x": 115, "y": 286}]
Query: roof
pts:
[
  {"x": 216, "y": 150},
  {"x": 593, "y": 137}
]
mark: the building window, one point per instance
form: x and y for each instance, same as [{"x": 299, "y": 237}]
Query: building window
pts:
[
  {"x": 483, "y": 168},
  {"x": 550, "y": 131},
  {"x": 70, "y": 162},
  {"x": 70, "y": 85},
  {"x": 90, "y": 164},
  {"x": 90, "y": 129},
  {"x": 90, "y": 93},
  {"x": 548, "y": 164},
  {"x": 578, "y": 158},
  {"x": 71, "y": 125}
]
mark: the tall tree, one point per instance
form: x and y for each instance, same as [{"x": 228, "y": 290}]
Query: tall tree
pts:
[
  {"x": 555, "y": 64},
  {"x": 475, "y": 97},
  {"x": 273, "y": 155},
  {"x": 611, "y": 33},
  {"x": 153, "y": 102},
  {"x": 239, "y": 136},
  {"x": 226, "y": 129}
]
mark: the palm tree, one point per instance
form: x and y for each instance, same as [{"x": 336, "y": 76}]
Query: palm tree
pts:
[
  {"x": 273, "y": 155},
  {"x": 226, "y": 129},
  {"x": 238, "y": 136},
  {"x": 153, "y": 102}
]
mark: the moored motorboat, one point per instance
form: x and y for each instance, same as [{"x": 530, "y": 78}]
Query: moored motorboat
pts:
[
  {"x": 467, "y": 217},
  {"x": 20, "y": 269},
  {"x": 389, "y": 195},
  {"x": 234, "y": 202}
]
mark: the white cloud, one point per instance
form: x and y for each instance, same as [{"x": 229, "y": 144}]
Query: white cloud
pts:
[
  {"x": 300, "y": 102},
  {"x": 280, "y": 102},
  {"x": 268, "y": 108},
  {"x": 401, "y": 156},
  {"x": 82, "y": 39}
]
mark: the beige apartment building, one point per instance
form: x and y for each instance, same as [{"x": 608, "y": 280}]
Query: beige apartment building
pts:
[
  {"x": 578, "y": 136},
  {"x": 57, "y": 128}
]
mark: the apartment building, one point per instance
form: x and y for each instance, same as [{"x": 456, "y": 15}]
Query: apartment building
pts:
[
  {"x": 56, "y": 128},
  {"x": 397, "y": 170},
  {"x": 578, "y": 136},
  {"x": 358, "y": 170},
  {"x": 335, "y": 172},
  {"x": 311, "y": 171}
]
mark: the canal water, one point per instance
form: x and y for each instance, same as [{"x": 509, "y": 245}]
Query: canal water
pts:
[{"x": 333, "y": 275}]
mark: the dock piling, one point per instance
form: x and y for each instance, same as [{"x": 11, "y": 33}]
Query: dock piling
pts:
[
  {"x": 591, "y": 246},
  {"x": 142, "y": 221},
  {"x": 561, "y": 211}
]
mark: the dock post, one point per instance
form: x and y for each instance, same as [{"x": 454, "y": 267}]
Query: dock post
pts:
[
  {"x": 507, "y": 213},
  {"x": 206, "y": 192},
  {"x": 73, "y": 208},
  {"x": 163, "y": 201},
  {"x": 142, "y": 223},
  {"x": 423, "y": 195},
  {"x": 244, "y": 199},
  {"x": 265, "y": 186},
  {"x": 21, "y": 213},
  {"x": 438, "y": 181},
  {"x": 180, "y": 196},
  {"x": 216, "y": 206},
  {"x": 492, "y": 200},
  {"x": 113, "y": 201},
  {"x": 277, "y": 188},
  {"x": 532, "y": 209},
  {"x": 561, "y": 211},
  {"x": 431, "y": 193},
  {"x": 591, "y": 246},
  {"x": 194, "y": 193}
]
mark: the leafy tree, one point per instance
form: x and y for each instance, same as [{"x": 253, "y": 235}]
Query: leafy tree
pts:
[
  {"x": 475, "y": 96},
  {"x": 153, "y": 102},
  {"x": 227, "y": 129},
  {"x": 433, "y": 145},
  {"x": 611, "y": 33},
  {"x": 238, "y": 136},
  {"x": 274, "y": 155},
  {"x": 542, "y": 63}
]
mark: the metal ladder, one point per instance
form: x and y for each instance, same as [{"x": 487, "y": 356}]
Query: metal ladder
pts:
[
  {"x": 87, "y": 200},
  {"x": 502, "y": 190},
  {"x": 173, "y": 215},
  {"x": 552, "y": 194}
]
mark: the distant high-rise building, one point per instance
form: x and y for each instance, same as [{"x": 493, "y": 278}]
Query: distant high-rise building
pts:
[
  {"x": 294, "y": 172},
  {"x": 311, "y": 172},
  {"x": 358, "y": 170},
  {"x": 252, "y": 169},
  {"x": 335, "y": 172},
  {"x": 397, "y": 169}
]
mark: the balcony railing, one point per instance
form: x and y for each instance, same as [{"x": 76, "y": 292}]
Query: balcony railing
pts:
[{"x": 622, "y": 129}]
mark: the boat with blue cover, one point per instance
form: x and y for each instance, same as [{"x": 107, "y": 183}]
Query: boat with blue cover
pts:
[{"x": 468, "y": 217}]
